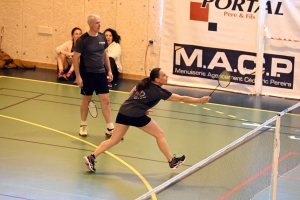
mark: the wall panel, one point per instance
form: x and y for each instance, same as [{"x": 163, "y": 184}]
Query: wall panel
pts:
[
  {"x": 67, "y": 14},
  {"x": 11, "y": 20},
  {"x": 132, "y": 24},
  {"x": 136, "y": 22},
  {"x": 37, "y": 47}
]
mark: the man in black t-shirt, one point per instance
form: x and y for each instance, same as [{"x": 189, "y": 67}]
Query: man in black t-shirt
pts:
[{"x": 91, "y": 49}]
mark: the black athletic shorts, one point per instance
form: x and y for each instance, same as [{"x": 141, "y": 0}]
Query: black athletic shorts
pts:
[
  {"x": 94, "y": 82},
  {"x": 133, "y": 121}
]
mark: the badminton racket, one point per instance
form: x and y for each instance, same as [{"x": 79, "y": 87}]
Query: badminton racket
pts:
[
  {"x": 223, "y": 80},
  {"x": 92, "y": 107}
]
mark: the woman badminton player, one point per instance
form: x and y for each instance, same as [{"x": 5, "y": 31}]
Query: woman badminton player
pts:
[{"x": 134, "y": 112}]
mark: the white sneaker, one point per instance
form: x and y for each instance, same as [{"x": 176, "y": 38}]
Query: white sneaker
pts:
[
  {"x": 83, "y": 130},
  {"x": 109, "y": 132}
]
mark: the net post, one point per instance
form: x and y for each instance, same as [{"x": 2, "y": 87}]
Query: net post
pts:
[{"x": 275, "y": 157}]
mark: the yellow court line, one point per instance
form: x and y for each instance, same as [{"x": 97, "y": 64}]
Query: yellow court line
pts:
[
  {"x": 93, "y": 145},
  {"x": 223, "y": 105},
  {"x": 25, "y": 79},
  {"x": 53, "y": 83},
  {"x": 254, "y": 109},
  {"x": 232, "y": 116}
]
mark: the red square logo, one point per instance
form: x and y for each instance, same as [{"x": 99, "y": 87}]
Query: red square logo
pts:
[{"x": 198, "y": 13}]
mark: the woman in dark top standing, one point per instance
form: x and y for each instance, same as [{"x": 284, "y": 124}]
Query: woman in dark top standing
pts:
[{"x": 134, "y": 112}]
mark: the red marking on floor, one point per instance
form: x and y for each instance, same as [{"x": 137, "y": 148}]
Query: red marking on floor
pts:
[{"x": 256, "y": 176}]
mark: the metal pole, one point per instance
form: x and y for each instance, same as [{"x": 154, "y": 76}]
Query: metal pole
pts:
[
  {"x": 275, "y": 157},
  {"x": 260, "y": 47}
]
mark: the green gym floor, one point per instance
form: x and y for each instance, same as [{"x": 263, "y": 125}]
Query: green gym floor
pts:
[{"x": 41, "y": 152}]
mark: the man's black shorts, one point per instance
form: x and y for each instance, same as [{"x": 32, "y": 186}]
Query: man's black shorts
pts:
[
  {"x": 133, "y": 121},
  {"x": 94, "y": 82}
]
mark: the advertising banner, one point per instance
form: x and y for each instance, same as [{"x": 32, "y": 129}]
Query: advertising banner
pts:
[{"x": 202, "y": 38}]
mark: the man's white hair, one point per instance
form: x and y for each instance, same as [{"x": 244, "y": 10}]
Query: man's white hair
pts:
[{"x": 91, "y": 18}]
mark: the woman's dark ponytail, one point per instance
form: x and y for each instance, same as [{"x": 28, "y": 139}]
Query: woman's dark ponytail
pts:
[{"x": 145, "y": 83}]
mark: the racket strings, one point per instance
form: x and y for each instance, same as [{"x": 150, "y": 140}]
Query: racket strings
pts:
[
  {"x": 93, "y": 109},
  {"x": 224, "y": 79}
]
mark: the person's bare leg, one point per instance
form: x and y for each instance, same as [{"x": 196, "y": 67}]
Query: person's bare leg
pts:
[
  {"x": 84, "y": 107},
  {"x": 62, "y": 62},
  {"x": 153, "y": 129},
  {"x": 105, "y": 105},
  {"x": 71, "y": 69},
  {"x": 119, "y": 132}
]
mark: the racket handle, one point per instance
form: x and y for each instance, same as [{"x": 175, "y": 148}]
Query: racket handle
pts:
[{"x": 214, "y": 90}]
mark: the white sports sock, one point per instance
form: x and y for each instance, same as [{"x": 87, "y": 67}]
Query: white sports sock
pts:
[{"x": 83, "y": 123}]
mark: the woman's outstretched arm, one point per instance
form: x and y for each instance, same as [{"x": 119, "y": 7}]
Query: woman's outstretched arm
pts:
[{"x": 188, "y": 99}]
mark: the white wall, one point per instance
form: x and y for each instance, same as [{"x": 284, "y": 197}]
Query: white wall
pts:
[{"x": 137, "y": 21}]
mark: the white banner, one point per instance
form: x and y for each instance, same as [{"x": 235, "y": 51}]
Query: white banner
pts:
[
  {"x": 202, "y": 38},
  {"x": 282, "y": 79}
]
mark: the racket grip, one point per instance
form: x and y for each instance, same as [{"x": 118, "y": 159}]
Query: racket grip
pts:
[{"x": 212, "y": 92}]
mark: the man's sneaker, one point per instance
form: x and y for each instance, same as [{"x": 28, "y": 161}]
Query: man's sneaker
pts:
[
  {"x": 176, "y": 162},
  {"x": 60, "y": 75},
  {"x": 90, "y": 162},
  {"x": 109, "y": 133},
  {"x": 83, "y": 130}
]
